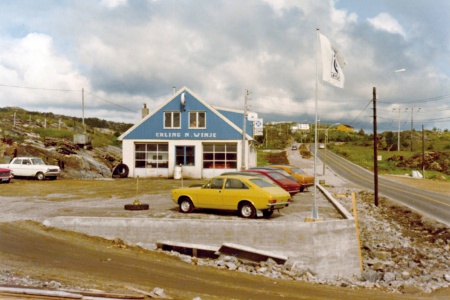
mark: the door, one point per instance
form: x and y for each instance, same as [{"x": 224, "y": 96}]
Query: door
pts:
[
  {"x": 234, "y": 191},
  {"x": 211, "y": 195}
]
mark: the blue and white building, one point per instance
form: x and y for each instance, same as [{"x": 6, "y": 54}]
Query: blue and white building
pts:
[{"x": 187, "y": 134}]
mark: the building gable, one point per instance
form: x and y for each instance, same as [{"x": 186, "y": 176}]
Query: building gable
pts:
[{"x": 182, "y": 106}]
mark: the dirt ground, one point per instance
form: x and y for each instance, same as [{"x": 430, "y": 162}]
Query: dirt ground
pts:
[{"x": 31, "y": 253}]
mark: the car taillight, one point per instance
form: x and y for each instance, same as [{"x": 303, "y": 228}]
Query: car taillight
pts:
[
  {"x": 289, "y": 200},
  {"x": 273, "y": 201}
]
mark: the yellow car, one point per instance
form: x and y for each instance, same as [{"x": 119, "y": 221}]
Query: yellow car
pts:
[
  {"x": 304, "y": 179},
  {"x": 250, "y": 196}
]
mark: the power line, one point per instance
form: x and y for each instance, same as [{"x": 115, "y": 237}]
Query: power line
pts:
[
  {"x": 65, "y": 90},
  {"x": 35, "y": 88},
  {"x": 436, "y": 98},
  {"x": 118, "y": 105},
  {"x": 368, "y": 103}
]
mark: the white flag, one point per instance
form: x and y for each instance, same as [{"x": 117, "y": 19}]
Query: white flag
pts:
[{"x": 331, "y": 63}]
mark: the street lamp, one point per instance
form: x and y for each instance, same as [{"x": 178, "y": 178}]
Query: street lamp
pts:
[
  {"x": 399, "y": 110},
  {"x": 325, "y": 146}
]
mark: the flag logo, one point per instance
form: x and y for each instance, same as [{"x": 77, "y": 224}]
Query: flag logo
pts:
[{"x": 332, "y": 63}]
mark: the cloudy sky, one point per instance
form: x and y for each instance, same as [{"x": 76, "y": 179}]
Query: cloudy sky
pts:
[{"x": 125, "y": 53}]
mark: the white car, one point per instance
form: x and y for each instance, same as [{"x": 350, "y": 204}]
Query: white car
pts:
[{"x": 32, "y": 167}]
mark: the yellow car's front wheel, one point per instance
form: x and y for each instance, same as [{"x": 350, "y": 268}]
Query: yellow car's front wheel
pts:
[{"x": 186, "y": 205}]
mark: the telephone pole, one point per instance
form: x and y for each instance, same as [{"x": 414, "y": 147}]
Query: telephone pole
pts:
[
  {"x": 82, "y": 109},
  {"x": 244, "y": 132},
  {"x": 398, "y": 132},
  {"x": 412, "y": 125},
  {"x": 375, "y": 146}
]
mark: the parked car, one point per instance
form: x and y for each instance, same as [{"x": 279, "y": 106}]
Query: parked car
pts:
[
  {"x": 288, "y": 184},
  {"x": 294, "y": 147},
  {"x": 6, "y": 175},
  {"x": 249, "y": 195},
  {"x": 270, "y": 168},
  {"x": 304, "y": 179},
  {"x": 251, "y": 174},
  {"x": 32, "y": 167}
]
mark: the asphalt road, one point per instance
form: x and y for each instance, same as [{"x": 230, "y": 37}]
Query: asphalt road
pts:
[{"x": 432, "y": 204}]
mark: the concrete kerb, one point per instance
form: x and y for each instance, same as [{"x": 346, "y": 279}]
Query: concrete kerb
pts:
[{"x": 344, "y": 213}]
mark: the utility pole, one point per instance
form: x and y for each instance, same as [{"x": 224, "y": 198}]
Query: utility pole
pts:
[
  {"x": 412, "y": 126},
  {"x": 398, "y": 128},
  {"x": 82, "y": 108},
  {"x": 375, "y": 146},
  {"x": 423, "y": 153},
  {"x": 244, "y": 133}
]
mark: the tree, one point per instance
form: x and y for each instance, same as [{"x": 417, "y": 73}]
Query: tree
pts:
[{"x": 390, "y": 140}]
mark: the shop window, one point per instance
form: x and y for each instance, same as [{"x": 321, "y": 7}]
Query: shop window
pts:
[
  {"x": 152, "y": 155},
  {"x": 197, "y": 119},
  {"x": 185, "y": 155},
  {"x": 219, "y": 156},
  {"x": 172, "y": 119}
]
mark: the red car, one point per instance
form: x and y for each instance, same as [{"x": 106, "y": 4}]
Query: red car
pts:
[
  {"x": 5, "y": 175},
  {"x": 291, "y": 186}
]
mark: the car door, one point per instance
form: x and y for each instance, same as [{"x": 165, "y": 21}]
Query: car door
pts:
[
  {"x": 210, "y": 196},
  {"x": 19, "y": 167},
  {"x": 234, "y": 191}
]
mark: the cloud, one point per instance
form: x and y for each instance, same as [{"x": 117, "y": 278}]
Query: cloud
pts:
[
  {"x": 386, "y": 22},
  {"x": 35, "y": 62},
  {"x": 113, "y": 3},
  {"x": 134, "y": 52}
]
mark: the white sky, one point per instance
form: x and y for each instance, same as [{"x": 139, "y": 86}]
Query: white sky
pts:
[{"x": 125, "y": 53}]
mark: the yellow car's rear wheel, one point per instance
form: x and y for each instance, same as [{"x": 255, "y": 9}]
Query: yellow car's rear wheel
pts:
[{"x": 247, "y": 210}]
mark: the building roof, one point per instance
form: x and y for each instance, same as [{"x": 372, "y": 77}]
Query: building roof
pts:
[{"x": 221, "y": 123}]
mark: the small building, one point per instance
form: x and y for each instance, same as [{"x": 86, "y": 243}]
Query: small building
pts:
[
  {"x": 186, "y": 134},
  {"x": 346, "y": 128}
]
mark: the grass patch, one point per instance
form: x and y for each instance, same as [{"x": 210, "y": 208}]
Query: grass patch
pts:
[
  {"x": 392, "y": 162},
  {"x": 54, "y": 133},
  {"x": 272, "y": 157}
]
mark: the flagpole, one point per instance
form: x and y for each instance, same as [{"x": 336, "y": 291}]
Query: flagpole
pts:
[{"x": 314, "y": 211}]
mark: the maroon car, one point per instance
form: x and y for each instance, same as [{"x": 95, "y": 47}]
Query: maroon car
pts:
[
  {"x": 291, "y": 186},
  {"x": 5, "y": 175}
]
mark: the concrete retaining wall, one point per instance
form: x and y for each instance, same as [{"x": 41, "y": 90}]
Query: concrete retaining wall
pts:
[{"x": 327, "y": 248}]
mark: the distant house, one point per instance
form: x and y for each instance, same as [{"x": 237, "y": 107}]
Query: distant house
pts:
[
  {"x": 187, "y": 133},
  {"x": 346, "y": 128}
]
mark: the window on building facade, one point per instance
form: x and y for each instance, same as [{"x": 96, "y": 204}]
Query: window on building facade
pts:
[
  {"x": 172, "y": 119},
  {"x": 220, "y": 156},
  {"x": 197, "y": 119},
  {"x": 152, "y": 155},
  {"x": 185, "y": 155}
]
